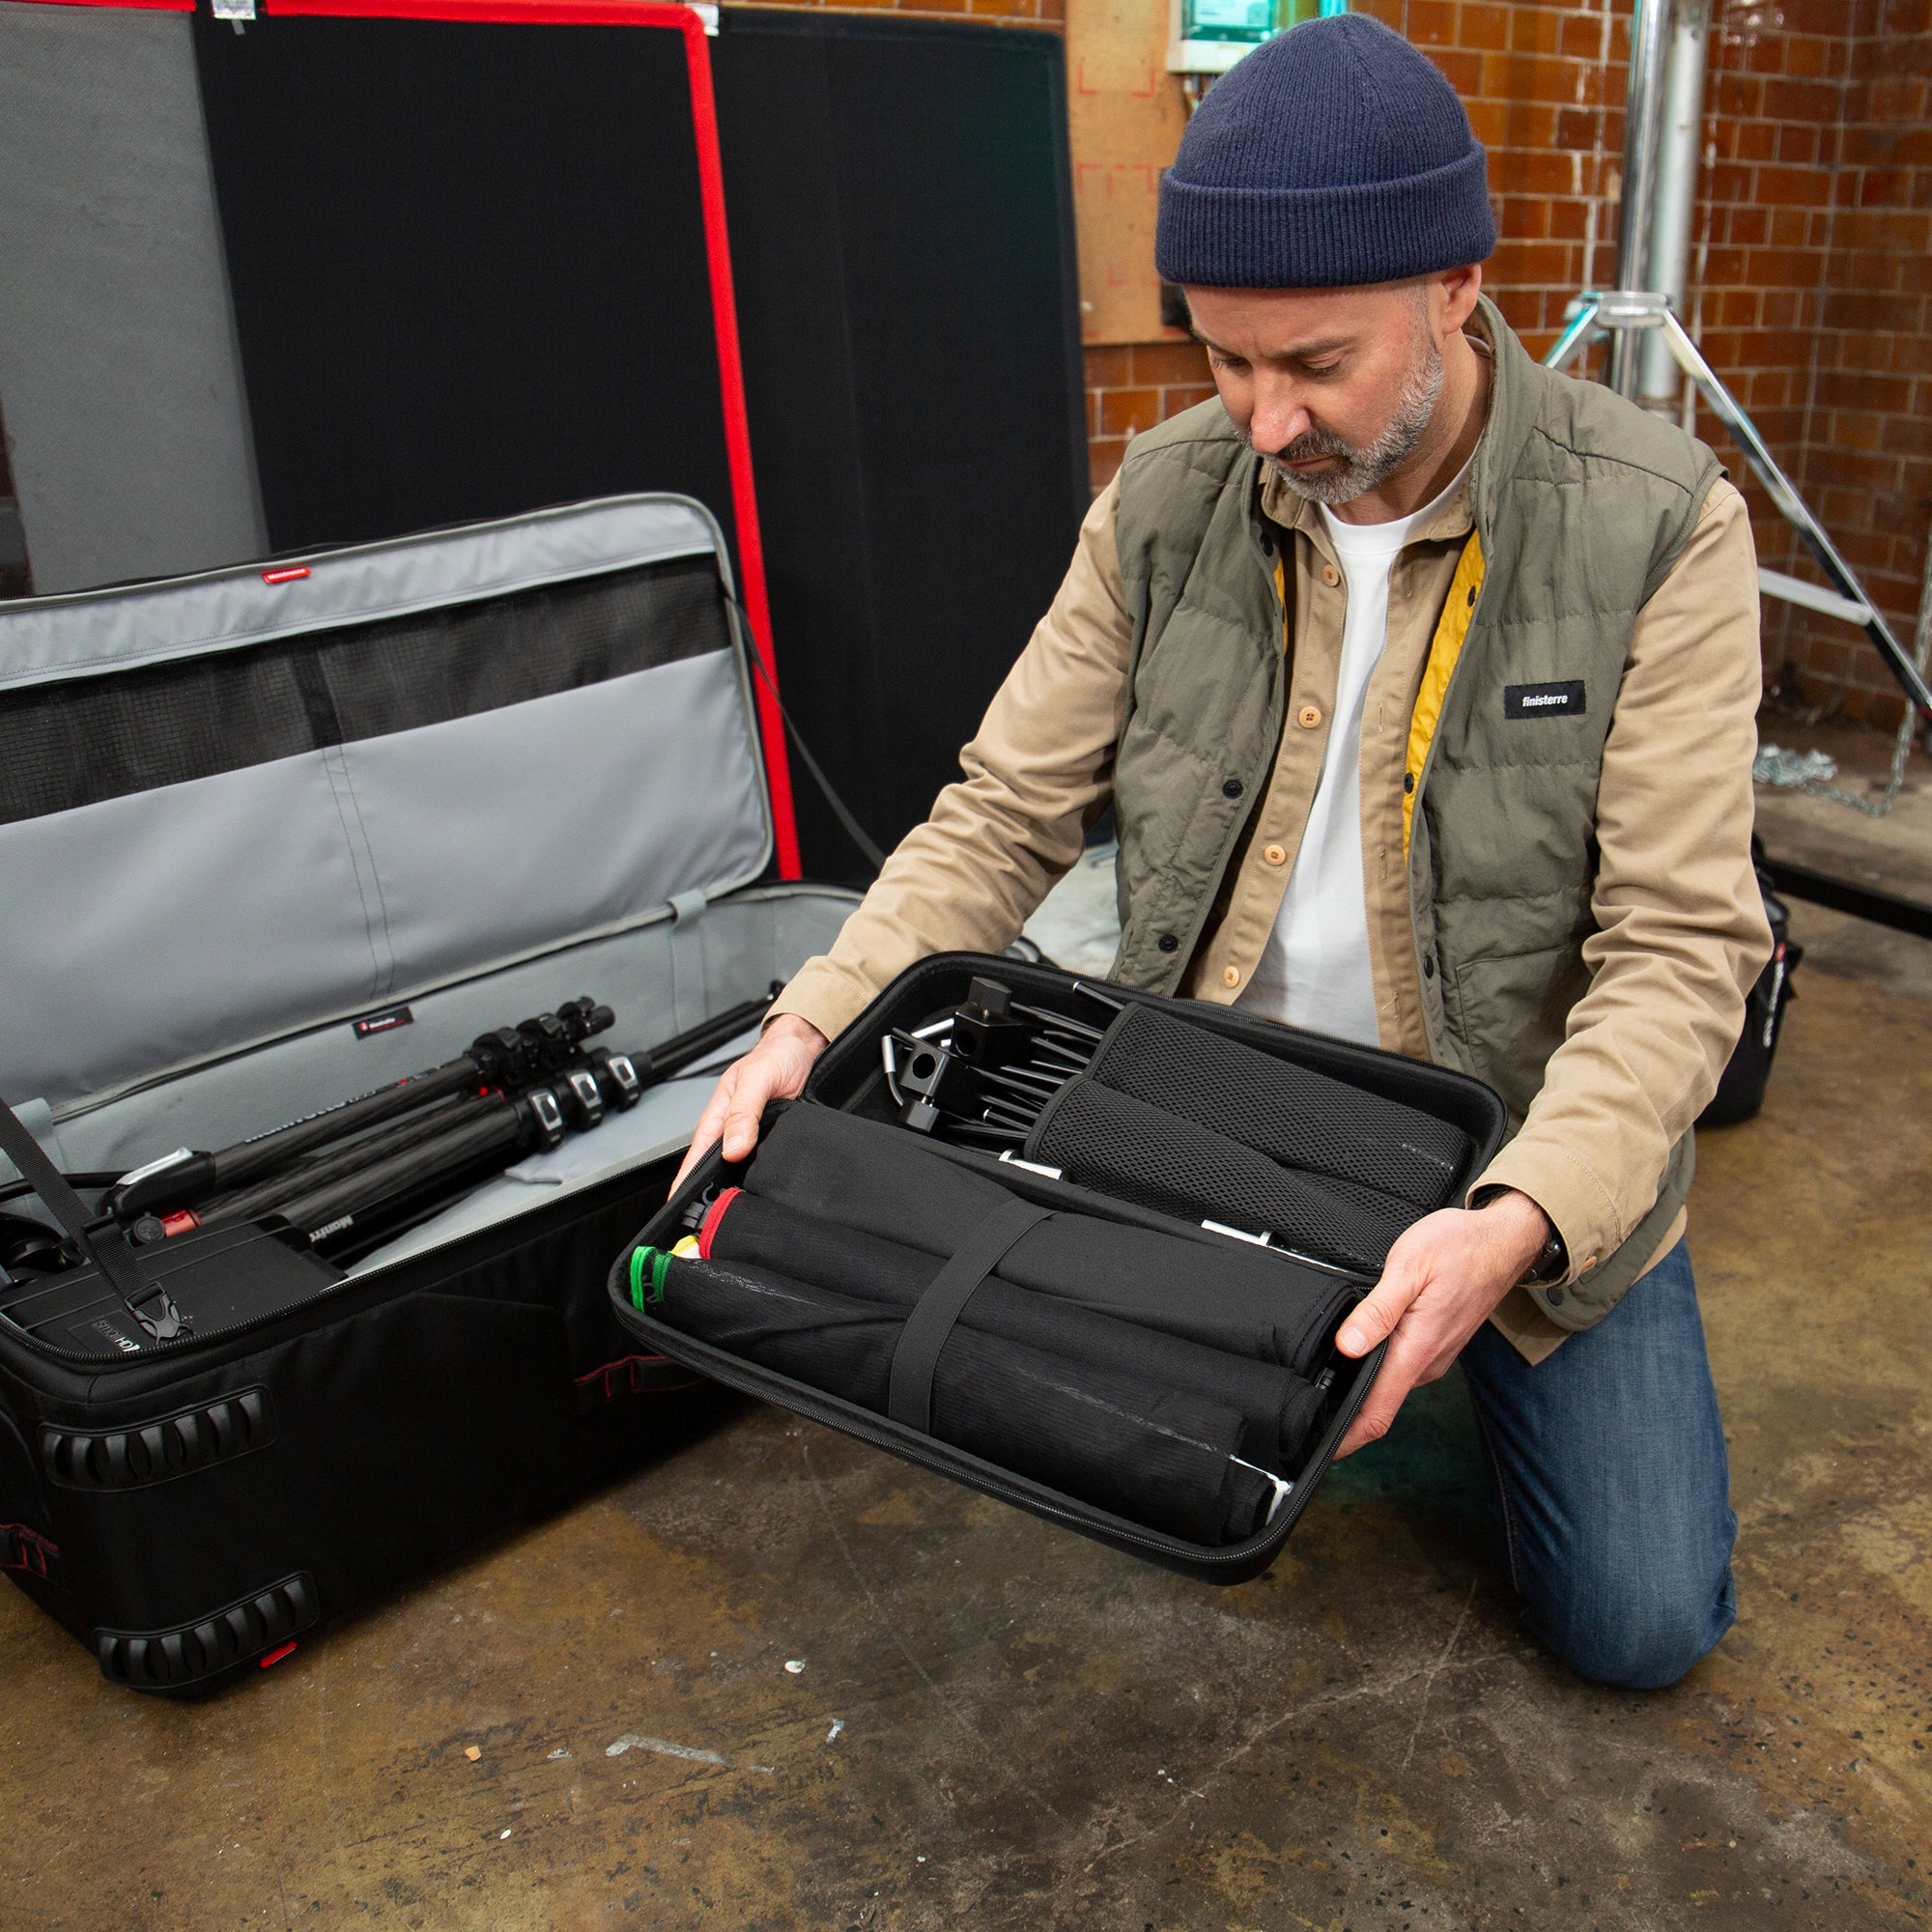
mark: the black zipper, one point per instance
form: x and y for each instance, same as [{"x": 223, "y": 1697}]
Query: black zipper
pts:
[
  {"x": 189, "y": 1344},
  {"x": 851, "y": 1421}
]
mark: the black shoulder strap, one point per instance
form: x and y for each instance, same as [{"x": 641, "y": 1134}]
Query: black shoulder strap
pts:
[
  {"x": 111, "y": 1256},
  {"x": 909, "y": 1393}
]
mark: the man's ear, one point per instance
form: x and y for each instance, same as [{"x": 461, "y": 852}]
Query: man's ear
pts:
[{"x": 1453, "y": 295}]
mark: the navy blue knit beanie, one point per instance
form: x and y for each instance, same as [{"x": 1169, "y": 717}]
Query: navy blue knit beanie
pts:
[{"x": 1332, "y": 156}]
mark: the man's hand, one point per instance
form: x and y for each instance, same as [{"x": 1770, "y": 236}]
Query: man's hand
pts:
[
  {"x": 1441, "y": 1281},
  {"x": 775, "y": 1069}
]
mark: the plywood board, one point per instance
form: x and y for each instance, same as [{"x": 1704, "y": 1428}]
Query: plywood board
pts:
[{"x": 1125, "y": 114}]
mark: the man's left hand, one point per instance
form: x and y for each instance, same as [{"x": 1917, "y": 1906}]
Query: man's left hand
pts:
[{"x": 1441, "y": 1281}]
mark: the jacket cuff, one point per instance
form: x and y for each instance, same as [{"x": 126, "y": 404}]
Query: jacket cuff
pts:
[
  {"x": 824, "y": 995},
  {"x": 1578, "y": 1204}
]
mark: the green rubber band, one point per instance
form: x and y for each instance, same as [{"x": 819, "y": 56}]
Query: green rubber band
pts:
[
  {"x": 660, "y": 1271},
  {"x": 639, "y": 1259}
]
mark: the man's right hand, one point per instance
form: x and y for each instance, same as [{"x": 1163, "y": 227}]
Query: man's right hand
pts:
[{"x": 775, "y": 1069}]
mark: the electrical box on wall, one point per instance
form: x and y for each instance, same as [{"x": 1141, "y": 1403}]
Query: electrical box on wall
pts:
[{"x": 1210, "y": 36}]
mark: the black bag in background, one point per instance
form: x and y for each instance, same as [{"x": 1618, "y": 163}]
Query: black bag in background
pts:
[{"x": 1741, "y": 1092}]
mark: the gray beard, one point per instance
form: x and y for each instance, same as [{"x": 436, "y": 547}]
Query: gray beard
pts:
[{"x": 1363, "y": 468}]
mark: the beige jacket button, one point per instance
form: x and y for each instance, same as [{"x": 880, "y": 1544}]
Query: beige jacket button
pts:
[
  {"x": 1274, "y": 855},
  {"x": 1230, "y": 976},
  {"x": 1308, "y": 717},
  {"x": 1330, "y": 576}
]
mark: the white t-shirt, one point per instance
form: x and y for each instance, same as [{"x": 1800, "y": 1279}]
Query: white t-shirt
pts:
[{"x": 1314, "y": 971}]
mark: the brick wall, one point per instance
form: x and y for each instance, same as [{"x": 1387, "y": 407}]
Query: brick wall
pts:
[
  {"x": 1811, "y": 271},
  {"x": 1866, "y": 461}
]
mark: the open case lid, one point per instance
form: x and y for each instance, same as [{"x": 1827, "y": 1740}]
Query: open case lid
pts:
[{"x": 252, "y": 801}]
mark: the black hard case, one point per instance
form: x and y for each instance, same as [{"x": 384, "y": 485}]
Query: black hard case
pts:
[
  {"x": 189, "y": 1509},
  {"x": 849, "y": 1076}
]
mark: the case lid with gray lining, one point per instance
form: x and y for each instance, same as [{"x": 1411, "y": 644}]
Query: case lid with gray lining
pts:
[{"x": 250, "y": 801}]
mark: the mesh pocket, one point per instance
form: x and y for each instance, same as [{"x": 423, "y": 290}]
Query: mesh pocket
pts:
[
  {"x": 1137, "y": 1152},
  {"x": 1301, "y": 1119}
]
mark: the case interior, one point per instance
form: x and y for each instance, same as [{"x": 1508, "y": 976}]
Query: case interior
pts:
[
  {"x": 850, "y": 1077},
  {"x": 452, "y": 781}
]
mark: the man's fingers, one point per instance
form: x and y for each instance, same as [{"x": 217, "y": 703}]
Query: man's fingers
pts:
[
  {"x": 1374, "y": 1417},
  {"x": 747, "y": 1109},
  {"x": 710, "y": 1124},
  {"x": 1374, "y": 1319},
  {"x": 1395, "y": 1381}
]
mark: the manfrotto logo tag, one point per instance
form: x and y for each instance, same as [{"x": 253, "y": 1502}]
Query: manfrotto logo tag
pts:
[{"x": 1544, "y": 701}]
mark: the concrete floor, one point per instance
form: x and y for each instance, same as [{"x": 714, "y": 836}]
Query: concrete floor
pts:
[{"x": 997, "y": 1724}]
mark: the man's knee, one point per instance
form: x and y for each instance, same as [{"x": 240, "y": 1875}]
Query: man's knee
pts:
[{"x": 1635, "y": 1633}]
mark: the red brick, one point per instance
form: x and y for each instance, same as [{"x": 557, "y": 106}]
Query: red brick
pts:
[
  {"x": 1796, "y": 144},
  {"x": 1432, "y": 23},
  {"x": 1109, "y": 368},
  {"x": 1463, "y": 72},
  {"x": 1535, "y": 172},
  {"x": 1525, "y": 218},
  {"x": 1158, "y": 362},
  {"x": 1533, "y": 29},
  {"x": 1808, "y": 187},
  {"x": 1788, "y": 99},
  {"x": 1843, "y": 389},
  {"x": 1126, "y": 410}
]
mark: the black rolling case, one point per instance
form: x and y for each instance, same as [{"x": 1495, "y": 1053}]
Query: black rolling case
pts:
[
  {"x": 1740, "y": 1089},
  {"x": 273, "y": 838},
  {"x": 1081, "y": 1248}
]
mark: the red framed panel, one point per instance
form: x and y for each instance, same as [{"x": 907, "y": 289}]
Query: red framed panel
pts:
[
  {"x": 134, "y": 6},
  {"x": 684, "y": 20}
]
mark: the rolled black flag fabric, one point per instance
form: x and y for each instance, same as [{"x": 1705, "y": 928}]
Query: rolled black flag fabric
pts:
[
  {"x": 1220, "y": 1293},
  {"x": 1294, "y": 1115},
  {"x": 1282, "y": 1412},
  {"x": 1139, "y": 1152},
  {"x": 1164, "y": 1458}
]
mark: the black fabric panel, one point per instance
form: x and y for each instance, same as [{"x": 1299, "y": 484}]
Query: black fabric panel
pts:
[
  {"x": 1292, "y": 1113},
  {"x": 1134, "y": 1152},
  {"x": 1222, "y": 1293},
  {"x": 902, "y": 247},
  {"x": 1282, "y": 1412},
  {"x": 468, "y": 269},
  {"x": 87, "y": 739},
  {"x": 1118, "y": 1441},
  {"x": 469, "y": 280}
]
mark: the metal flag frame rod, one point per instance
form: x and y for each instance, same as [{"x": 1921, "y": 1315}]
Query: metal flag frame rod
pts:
[
  {"x": 1626, "y": 313},
  {"x": 1629, "y": 312}
]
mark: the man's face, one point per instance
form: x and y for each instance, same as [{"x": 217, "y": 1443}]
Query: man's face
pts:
[{"x": 1334, "y": 387}]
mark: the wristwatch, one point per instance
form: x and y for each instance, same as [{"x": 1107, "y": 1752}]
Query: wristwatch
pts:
[
  {"x": 1552, "y": 1261},
  {"x": 1551, "y": 1265}
]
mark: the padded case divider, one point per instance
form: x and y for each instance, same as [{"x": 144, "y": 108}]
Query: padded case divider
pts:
[{"x": 372, "y": 790}]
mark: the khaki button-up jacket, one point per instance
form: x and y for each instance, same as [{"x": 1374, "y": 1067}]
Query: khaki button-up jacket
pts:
[{"x": 1675, "y": 895}]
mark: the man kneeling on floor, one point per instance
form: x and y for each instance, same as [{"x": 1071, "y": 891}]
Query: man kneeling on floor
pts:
[{"x": 1421, "y": 682}]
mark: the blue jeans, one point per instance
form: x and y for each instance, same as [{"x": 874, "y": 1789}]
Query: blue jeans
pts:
[{"x": 1608, "y": 1474}]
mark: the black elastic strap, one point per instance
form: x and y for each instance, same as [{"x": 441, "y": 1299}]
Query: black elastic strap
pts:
[
  {"x": 909, "y": 1394},
  {"x": 110, "y": 1257}
]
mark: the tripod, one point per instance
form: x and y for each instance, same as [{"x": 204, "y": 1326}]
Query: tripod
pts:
[{"x": 1630, "y": 310}]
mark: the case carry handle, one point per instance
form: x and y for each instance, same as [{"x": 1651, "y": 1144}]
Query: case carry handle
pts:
[{"x": 111, "y": 1255}]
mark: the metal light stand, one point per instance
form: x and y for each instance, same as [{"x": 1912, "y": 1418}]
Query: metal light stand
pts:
[{"x": 1628, "y": 310}]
